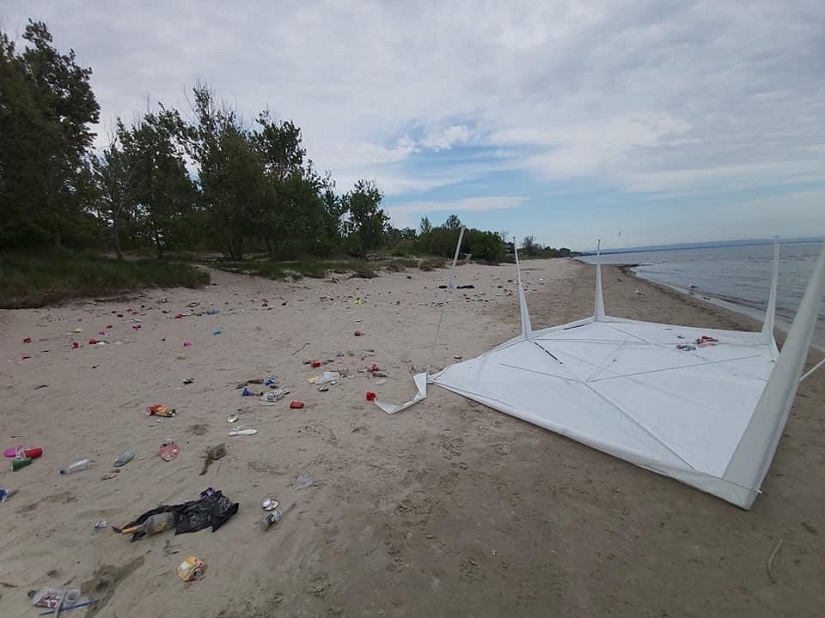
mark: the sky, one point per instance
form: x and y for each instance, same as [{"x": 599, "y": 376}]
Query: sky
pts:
[{"x": 635, "y": 122}]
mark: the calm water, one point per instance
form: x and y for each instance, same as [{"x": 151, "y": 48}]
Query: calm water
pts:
[{"x": 739, "y": 275}]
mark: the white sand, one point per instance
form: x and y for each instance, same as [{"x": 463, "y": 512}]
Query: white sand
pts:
[{"x": 445, "y": 509}]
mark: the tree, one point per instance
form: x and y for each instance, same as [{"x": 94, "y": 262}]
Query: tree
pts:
[
  {"x": 367, "y": 220},
  {"x": 115, "y": 179},
  {"x": 425, "y": 226},
  {"x": 163, "y": 193},
  {"x": 231, "y": 173},
  {"x": 529, "y": 246},
  {"x": 46, "y": 109},
  {"x": 453, "y": 223}
]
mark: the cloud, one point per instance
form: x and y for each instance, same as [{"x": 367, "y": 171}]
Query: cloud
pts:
[
  {"x": 407, "y": 214},
  {"x": 698, "y": 97}
]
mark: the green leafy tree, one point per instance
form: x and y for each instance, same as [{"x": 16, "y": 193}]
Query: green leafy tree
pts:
[
  {"x": 231, "y": 172},
  {"x": 453, "y": 223},
  {"x": 115, "y": 181},
  {"x": 529, "y": 246},
  {"x": 160, "y": 187},
  {"x": 367, "y": 220},
  {"x": 46, "y": 109}
]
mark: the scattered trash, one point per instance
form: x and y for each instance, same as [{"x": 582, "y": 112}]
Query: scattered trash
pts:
[
  {"x": 21, "y": 452},
  {"x": 270, "y": 519},
  {"x": 54, "y": 598},
  {"x": 168, "y": 450},
  {"x": 246, "y": 392},
  {"x": 186, "y": 381},
  {"x": 64, "y": 608},
  {"x": 371, "y": 396},
  {"x": 124, "y": 458},
  {"x": 303, "y": 481},
  {"x": 77, "y": 330},
  {"x": 136, "y": 327},
  {"x": 270, "y": 381},
  {"x": 75, "y": 345},
  {"x": 327, "y": 377},
  {"x": 187, "y": 344},
  {"x": 379, "y": 374},
  {"x": 457, "y": 357},
  {"x": 27, "y": 340},
  {"x": 100, "y": 525},
  {"x": 213, "y": 453},
  {"x": 296, "y": 405},
  {"x": 153, "y": 524},
  {"x": 18, "y": 464},
  {"x": 212, "y": 509},
  {"x": 243, "y": 431},
  {"x": 217, "y": 330},
  {"x": 191, "y": 569},
  {"x": 233, "y": 418},
  {"x": 315, "y": 364},
  {"x": 270, "y": 504},
  {"x": 5, "y": 494},
  {"x": 686, "y": 346},
  {"x": 160, "y": 410},
  {"x": 76, "y": 466},
  {"x": 268, "y": 399},
  {"x": 357, "y": 333},
  {"x": 323, "y": 389},
  {"x": 110, "y": 475}
]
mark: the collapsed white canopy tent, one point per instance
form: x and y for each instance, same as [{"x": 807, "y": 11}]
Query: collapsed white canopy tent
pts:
[{"x": 706, "y": 407}]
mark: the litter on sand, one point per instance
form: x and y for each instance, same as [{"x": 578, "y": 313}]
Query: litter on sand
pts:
[{"x": 212, "y": 509}]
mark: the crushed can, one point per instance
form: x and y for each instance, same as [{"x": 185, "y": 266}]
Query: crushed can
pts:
[{"x": 191, "y": 569}]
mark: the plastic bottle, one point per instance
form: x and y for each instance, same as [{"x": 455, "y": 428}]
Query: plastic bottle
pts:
[{"x": 76, "y": 466}]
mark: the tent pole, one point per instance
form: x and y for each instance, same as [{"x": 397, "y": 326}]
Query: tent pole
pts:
[
  {"x": 770, "y": 312},
  {"x": 526, "y": 326},
  {"x": 815, "y": 367},
  {"x": 599, "y": 311},
  {"x": 446, "y": 295}
]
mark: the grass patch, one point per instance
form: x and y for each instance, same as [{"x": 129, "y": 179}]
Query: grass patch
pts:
[
  {"x": 34, "y": 280},
  {"x": 318, "y": 269}
]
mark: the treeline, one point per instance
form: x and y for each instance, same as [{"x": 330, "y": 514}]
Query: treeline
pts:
[
  {"x": 531, "y": 248},
  {"x": 207, "y": 180}
]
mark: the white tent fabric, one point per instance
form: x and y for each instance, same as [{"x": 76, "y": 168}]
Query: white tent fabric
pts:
[{"x": 704, "y": 406}]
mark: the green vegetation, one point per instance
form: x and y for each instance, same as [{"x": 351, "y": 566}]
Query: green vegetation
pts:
[
  {"x": 531, "y": 249},
  {"x": 174, "y": 184},
  {"x": 33, "y": 280},
  {"x": 319, "y": 269}
]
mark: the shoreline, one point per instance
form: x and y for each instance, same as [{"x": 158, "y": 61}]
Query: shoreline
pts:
[{"x": 750, "y": 312}]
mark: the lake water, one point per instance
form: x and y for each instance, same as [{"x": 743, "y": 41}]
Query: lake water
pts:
[{"x": 738, "y": 275}]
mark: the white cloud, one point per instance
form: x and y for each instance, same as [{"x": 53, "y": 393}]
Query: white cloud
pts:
[
  {"x": 407, "y": 214},
  {"x": 642, "y": 96}
]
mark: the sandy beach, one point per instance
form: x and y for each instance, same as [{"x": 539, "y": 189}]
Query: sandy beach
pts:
[{"x": 446, "y": 509}]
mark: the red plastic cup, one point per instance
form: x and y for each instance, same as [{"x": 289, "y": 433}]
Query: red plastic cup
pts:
[
  {"x": 296, "y": 405},
  {"x": 75, "y": 345},
  {"x": 371, "y": 396},
  {"x": 357, "y": 333},
  {"x": 27, "y": 340},
  {"x": 33, "y": 453},
  {"x": 316, "y": 363}
]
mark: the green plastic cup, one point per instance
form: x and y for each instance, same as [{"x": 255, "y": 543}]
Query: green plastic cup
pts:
[{"x": 16, "y": 464}]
